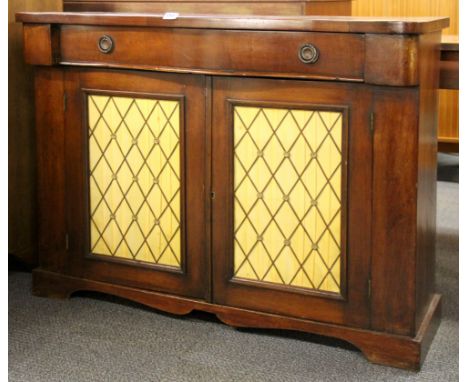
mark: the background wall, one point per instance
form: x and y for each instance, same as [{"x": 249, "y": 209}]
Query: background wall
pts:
[{"x": 448, "y": 105}]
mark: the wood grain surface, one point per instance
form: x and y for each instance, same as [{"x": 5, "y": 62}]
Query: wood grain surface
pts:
[
  {"x": 274, "y": 7},
  {"x": 335, "y": 24},
  {"x": 21, "y": 136}
]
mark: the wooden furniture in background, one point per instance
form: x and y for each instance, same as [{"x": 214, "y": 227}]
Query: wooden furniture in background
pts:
[
  {"x": 449, "y": 74},
  {"x": 449, "y": 62},
  {"x": 448, "y": 96},
  {"x": 275, "y": 7},
  {"x": 21, "y": 137},
  {"x": 188, "y": 164}
]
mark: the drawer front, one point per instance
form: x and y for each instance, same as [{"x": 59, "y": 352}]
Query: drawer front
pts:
[{"x": 333, "y": 55}]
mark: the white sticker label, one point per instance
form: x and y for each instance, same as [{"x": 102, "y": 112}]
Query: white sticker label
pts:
[{"x": 170, "y": 16}]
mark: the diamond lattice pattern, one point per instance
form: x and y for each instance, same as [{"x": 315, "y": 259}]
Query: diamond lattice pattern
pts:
[
  {"x": 134, "y": 167},
  {"x": 287, "y": 212}
]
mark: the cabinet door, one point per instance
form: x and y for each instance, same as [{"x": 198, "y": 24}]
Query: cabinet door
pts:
[
  {"x": 134, "y": 155},
  {"x": 291, "y": 213}
]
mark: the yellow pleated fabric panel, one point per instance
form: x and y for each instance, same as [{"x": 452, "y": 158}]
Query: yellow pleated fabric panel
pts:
[
  {"x": 134, "y": 167},
  {"x": 287, "y": 187}
]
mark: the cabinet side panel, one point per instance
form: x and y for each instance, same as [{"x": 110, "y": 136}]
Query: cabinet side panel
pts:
[
  {"x": 394, "y": 210},
  {"x": 50, "y": 167},
  {"x": 427, "y": 172}
]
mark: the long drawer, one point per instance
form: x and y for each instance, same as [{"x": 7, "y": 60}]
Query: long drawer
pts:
[{"x": 277, "y": 53}]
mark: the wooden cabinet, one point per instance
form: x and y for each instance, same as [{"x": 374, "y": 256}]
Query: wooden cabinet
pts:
[{"x": 190, "y": 164}]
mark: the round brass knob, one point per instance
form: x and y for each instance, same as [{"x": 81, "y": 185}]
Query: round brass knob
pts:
[
  {"x": 308, "y": 54},
  {"x": 106, "y": 44}
]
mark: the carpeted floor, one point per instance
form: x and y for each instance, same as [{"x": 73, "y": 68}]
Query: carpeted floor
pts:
[{"x": 93, "y": 337}]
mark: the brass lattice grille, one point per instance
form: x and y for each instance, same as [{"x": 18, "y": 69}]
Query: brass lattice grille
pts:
[
  {"x": 287, "y": 186},
  {"x": 134, "y": 167}
]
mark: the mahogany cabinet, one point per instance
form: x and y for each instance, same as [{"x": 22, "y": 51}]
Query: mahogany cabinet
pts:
[{"x": 279, "y": 172}]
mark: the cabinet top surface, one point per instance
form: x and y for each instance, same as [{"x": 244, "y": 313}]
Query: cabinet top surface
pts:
[{"x": 343, "y": 24}]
